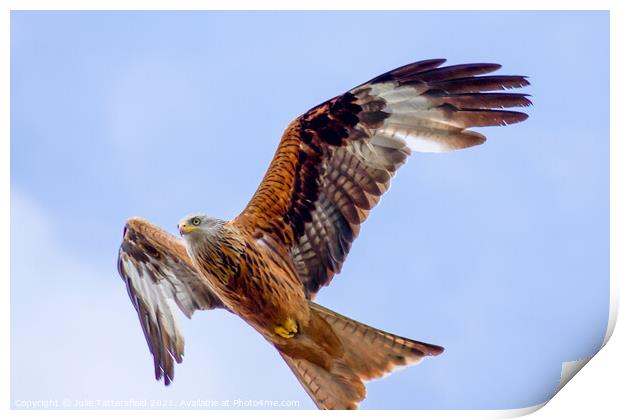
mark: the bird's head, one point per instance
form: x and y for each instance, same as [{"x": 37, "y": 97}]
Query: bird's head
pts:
[
  {"x": 190, "y": 223},
  {"x": 196, "y": 224}
]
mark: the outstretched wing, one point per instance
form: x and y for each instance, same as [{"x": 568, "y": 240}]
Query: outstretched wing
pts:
[
  {"x": 159, "y": 273},
  {"x": 335, "y": 161}
]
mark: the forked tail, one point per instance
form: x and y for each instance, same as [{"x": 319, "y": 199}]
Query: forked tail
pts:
[{"x": 367, "y": 353}]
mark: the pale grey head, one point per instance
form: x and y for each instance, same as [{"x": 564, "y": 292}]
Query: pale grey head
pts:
[{"x": 198, "y": 224}]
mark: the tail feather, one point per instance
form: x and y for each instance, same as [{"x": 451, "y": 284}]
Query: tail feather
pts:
[
  {"x": 366, "y": 353},
  {"x": 339, "y": 390},
  {"x": 370, "y": 352}
]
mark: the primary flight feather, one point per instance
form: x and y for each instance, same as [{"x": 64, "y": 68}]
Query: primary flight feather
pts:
[{"x": 330, "y": 169}]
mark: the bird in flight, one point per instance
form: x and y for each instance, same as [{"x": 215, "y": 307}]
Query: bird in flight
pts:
[{"x": 330, "y": 169}]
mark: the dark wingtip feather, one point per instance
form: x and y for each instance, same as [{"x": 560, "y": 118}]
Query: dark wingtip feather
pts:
[
  {"x": 456, "y": 72},
  {"x": 480, "y": 100},
  {"x": 408, "y": 70},
  {"x": 480, "y": 84},
  {"x": 435, "y": 350}
]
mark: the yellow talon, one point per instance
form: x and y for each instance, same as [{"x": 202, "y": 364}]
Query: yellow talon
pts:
[
  {"x": 290, "y": 325},
  {"x": 288, "y": 330},
  {"x": 281, "y": 331}
]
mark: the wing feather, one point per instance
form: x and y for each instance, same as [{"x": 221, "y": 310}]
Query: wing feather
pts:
[
  {"x": 335, "y": 161},
  {"x": 160, "y": 277}
]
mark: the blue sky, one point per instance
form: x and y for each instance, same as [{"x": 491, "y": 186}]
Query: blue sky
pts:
[{"x": 500, "y": 253}]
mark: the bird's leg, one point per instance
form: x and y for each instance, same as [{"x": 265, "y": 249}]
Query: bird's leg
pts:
[{"x": 288, "y": 330}]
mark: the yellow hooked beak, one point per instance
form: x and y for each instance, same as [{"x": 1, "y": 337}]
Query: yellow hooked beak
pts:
[{"x": 184, "y": 228}]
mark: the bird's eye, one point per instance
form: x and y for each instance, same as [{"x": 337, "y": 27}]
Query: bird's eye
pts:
[{"x": 195, "y": 221}]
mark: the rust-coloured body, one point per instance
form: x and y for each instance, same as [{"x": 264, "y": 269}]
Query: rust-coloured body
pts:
[{"x": 252, "y": 278}]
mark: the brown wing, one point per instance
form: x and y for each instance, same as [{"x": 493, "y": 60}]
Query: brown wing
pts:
[
  {"x": 159, "y": 273},
  {"x": 335, "y": 161}
]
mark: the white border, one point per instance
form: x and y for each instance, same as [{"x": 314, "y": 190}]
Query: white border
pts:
[
  {"x": 306, "y": 5},
  {"x": 594, "y": 394}
]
